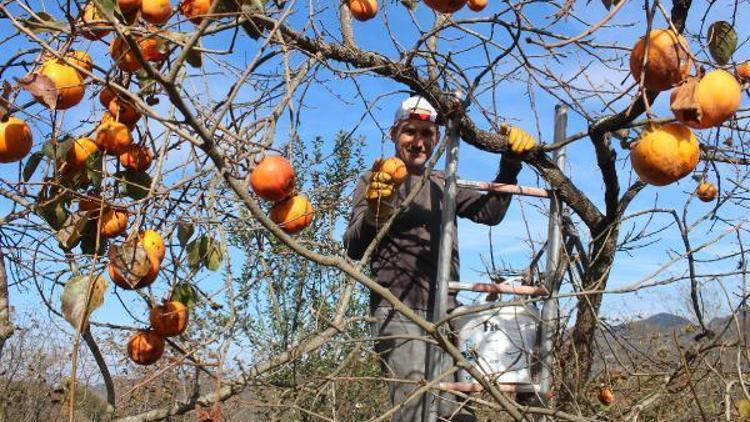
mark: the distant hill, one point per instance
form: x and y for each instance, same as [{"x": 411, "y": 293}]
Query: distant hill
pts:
[
  {"x": 661, "y": 323},
  {"x": 666, "y": 321}
]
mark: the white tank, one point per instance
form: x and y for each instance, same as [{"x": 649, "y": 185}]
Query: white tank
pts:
[{"x": 499, "y": 342}]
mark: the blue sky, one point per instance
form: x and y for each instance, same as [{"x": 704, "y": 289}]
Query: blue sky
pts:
[{"x": 337, "y": 106}]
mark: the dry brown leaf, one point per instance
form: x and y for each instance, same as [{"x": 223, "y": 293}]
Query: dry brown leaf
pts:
[
  {"x": 130, "y": 261},
  {"x": 41, "y": 87},
  {"x": 4, "y": 102},
  {"x": 208, "y": 414},
  {"x": 685, "y": 100},
  {"x": 70, "y": 233}
]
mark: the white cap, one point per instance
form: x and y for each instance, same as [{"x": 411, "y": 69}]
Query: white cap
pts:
[{"x": 415, "y": 108}]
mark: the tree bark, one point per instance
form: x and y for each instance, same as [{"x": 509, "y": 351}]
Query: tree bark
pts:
[{"x": 6, "y": 326}]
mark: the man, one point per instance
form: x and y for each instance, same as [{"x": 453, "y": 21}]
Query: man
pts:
[{"x": 406, "y": 259}]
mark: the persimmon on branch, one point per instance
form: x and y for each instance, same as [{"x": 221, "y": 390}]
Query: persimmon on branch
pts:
[{"x": 223, "y": 141}]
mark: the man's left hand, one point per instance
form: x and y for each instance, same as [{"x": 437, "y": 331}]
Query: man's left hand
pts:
[{"x": 519, "y": 140}]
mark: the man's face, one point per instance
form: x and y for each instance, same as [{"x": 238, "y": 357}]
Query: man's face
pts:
[{"x": 414, "y": 141}]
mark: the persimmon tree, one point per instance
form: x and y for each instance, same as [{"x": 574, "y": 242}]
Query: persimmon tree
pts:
[{"x": 131, "y": 132}]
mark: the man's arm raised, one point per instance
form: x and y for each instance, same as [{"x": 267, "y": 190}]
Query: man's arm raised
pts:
[{"x": 490, "y": 208}]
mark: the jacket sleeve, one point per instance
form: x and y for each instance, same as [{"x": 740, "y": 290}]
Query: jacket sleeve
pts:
[
  {"x": 358, "y": 233},
  {"x": 488, "y": 208}
]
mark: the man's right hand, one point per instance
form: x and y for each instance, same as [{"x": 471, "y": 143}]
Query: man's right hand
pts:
[
  {"x": 519, "y": 141},
  {"x": 379, "y": 196}
]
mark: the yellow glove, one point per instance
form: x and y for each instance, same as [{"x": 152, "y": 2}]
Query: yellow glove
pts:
[
  {"x": 381, "y": 185},
  {"x": 519, "y": 140},
  {"x": 379, "y": 196}
]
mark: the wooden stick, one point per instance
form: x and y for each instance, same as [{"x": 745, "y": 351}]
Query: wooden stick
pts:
[
  {"x": 499, "y": 288},
  {"x": 505, "y": 188},
  {"x": 473, "y": 387}
]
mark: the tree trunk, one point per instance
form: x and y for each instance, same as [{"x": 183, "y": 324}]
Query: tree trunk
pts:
[{"x": 579, "y": 354}]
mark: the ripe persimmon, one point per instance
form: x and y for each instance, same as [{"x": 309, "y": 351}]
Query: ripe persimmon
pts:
[
  {"x": 273, "y": 179},
  {"x": 93, "y": 22},
  {"x": 15, "y": 140},
  {"x": 363, "y": 10},
  {"x": 477, "y": 5},
  {"x": 124, "y": 58},
  {"x": 124, "y": 111},
  {"x": 145, "y": 347},
  {"x": 156, "y": 11},
  {"x": 81, "y": 59},
  {"x": 128, "y": 7},
  {"x": 169, "y": 319},
  {"x": 713, "y": 101},
  {"x": 113, "y": 137},
  {"x": 396, "y": 168},
  {"x": 605, "y": 396},
  {"x": 664, "y": 154},
  {"x": 292, "y": 214},
  {"x": 668, "y": 60},
  {"x": 154, "y": 244},
  {"x": 743, "y": 71},
  {"x": 107, "y": 117},
  {"x": 80, "y": 151},
  {"x": 113, "y": 222},
  {"x": 68, "y": 82},
  {"x": 153, "y": 50},
  {"x": 706, "y": 191},
  {"x": 445, "y": 6},
  {"x": 136, "y": 158},
  {"x": 106, "y": 95},
  {"x": 195, "y": 10}
]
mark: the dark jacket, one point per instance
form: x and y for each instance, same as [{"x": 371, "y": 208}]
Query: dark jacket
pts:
[{"x": 406, "y": 260}]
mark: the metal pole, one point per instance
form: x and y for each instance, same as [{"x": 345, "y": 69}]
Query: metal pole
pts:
[
  {"x": 435, "y": 355},
  {"x": 554, "y": 240}
]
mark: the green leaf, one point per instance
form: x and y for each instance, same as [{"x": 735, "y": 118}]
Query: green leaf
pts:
[
  {"x": 214, "y": 255},
  {"x": 185, "y": 293},
  {"x": 722, "y": 41},
  {"x": 88, "y": 245},
  {"x": 43, "y": 22},
  {"x": 88, "y": 240},
  {"x": 194, "y": 58},
  {"x": 76, "y": 179},
  {"x": 743, "y": 406},
  {"x": 31, "y": 164},
  {"x": 608, "y": 3},
  {"x": 62, "y": 148},
  {"x": 137, "y": 183},
  {"x": 184, "y": 233},
  {"x": 93, "y": 168},
  {"x": 195, "y": 255},
  {"x": 148, "y": 84},
  {"x": 44, "y": 16},
  {"x": 411, "y": 4},
  {"x": 76, "y": 304},
  {"x": 205, "y": 251},
  {"x": 250, "y": 28},
  {"x": 106, "y": 5},
  {"x": 48, "y": 149},
  {"x": 54, "y": 214}
]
